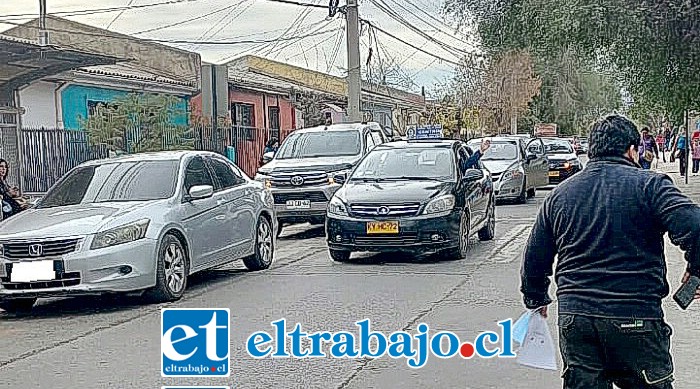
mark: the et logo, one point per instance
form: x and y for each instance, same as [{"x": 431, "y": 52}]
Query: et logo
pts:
[{"x": 195, "y": 342}]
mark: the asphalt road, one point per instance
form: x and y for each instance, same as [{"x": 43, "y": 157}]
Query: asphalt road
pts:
[{"x": 108, "y": 343}]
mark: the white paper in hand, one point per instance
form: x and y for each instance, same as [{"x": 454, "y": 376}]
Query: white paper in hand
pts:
[{"x": 538, "y": 349}]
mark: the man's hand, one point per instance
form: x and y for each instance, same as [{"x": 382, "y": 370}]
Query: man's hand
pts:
[
  {"x": 485, "y": 145},
  {"x": 686, "y": 276},
  {"x": 14, "y": 192},
  {"x": 543, "y": 311}
]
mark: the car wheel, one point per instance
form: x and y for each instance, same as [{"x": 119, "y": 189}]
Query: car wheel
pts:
[
  {"x": 531, "y": 193},
  {"x": 264, "y": 247},
  {"x": 460, "y": 252},
  {"x": 340, "y": 255},
  {"x": 19, "y": 305},
  {"x": 173, "y": 268},
  {"x": 522, "y": 198},
  {"x": 488, "y": 232}
]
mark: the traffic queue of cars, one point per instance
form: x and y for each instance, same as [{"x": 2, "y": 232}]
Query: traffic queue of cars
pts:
[{"x": 145, "y": 223}]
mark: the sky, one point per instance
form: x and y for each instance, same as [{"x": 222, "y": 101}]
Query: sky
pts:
[{"x": 236, "y": 20}]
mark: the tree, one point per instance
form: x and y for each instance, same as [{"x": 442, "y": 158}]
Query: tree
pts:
[
  {"x": 654, "y": 45},
  {"x": 138, "y": 123},
  {"x": 510, "y": 86},
  {"x": 311, "y": 107}
]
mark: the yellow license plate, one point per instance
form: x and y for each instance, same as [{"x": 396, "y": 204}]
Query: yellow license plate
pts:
[
  {"x": 554, "y": 174},
  {"x": 383, "y": 227}
]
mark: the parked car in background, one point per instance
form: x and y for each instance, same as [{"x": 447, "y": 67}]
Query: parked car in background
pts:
[
  {"x": 563, "y": 161},
  {"x": 144, "y": 222},
  {"x": 584, "y": 146},
  {"x": 311, "y": 164},
  {"x": 518, "y": 166}
]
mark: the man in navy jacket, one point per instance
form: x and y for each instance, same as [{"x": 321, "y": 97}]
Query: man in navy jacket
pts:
[{"x": 606, "y": 224}]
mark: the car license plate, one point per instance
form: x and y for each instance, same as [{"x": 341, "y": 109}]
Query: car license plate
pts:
[
  {"x": 554, "y": 174},
  {"x": 298, "y": 204},
  {"x": 32, "y": 271},
  {"x": 382, "y": 227}
]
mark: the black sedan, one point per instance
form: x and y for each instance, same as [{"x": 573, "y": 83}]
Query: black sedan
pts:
[{"x": 412, "y": 196}]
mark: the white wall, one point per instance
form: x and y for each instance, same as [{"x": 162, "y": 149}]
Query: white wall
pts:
[{"x": 39, "y": 101}]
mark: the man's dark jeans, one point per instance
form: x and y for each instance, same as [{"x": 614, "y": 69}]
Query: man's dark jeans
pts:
[{"x": 598, "y": 352}]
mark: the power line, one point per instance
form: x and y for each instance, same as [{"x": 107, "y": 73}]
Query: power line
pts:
[
  {"x": 410, "y": 44},
  {"x": 300, "y": 4},
  {"x": 189, "y": 20},
  {"x": 244, "y": 42},
  {"x": 119, "y": 15},
  {"x": 438, "y": 21},
  {"x": 386, "y": 9},
  {"x": 97, "y": 10}
]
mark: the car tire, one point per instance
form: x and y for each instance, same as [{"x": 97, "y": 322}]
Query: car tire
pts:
[
  {"x": 340, "y": 255},
  {"x": 522, "y": 198},
  {"x": 488, "y": 232},
  {"x": 460, "y": 252},
  {"x": 172, "y": 271},
  {"x": 19, "y": 305},
  {"x": 531, "y": 193},
  {"x": 264, "y": 247}
]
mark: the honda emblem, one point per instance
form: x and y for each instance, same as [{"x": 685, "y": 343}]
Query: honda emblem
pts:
[{"x": 36, "y": 250}]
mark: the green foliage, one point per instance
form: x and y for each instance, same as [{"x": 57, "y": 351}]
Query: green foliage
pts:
[
  {"x": 653, "y": 45},
  {"x": 138, "y": 123}
]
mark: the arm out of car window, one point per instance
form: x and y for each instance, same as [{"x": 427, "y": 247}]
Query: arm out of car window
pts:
[
  {"x": 471, "y": 161},
  {"x": 678, "y": 215},
  {"x": 538, "y": 262}
]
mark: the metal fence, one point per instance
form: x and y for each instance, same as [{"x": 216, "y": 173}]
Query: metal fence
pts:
[{"x": 48, "y": 154}]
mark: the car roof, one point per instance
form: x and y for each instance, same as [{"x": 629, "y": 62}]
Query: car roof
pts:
[
  {"x": 497, "y": 139},
  {"x": 334, "y": 127},
  {"x": 151, "y": 156}
]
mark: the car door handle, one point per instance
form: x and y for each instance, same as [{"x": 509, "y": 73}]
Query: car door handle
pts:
[{"x": 220, "y": 217}]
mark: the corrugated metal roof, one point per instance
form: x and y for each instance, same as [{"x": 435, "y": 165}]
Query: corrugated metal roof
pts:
[
  {"x": 130, "y": 72},
  {"x": 18, "y": 40}
]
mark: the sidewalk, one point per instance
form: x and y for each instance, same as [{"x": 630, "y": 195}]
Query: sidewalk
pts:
[{"x": 692, "y": 189}]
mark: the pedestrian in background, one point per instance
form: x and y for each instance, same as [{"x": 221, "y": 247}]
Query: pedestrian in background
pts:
[
  {"x": 660, "y": 142},
  {"x": 606, "y": 226},
  {"x": 647, "y": 149},
  {"x": 680, "y": 152},
  {"x": 695, "y": 152}
]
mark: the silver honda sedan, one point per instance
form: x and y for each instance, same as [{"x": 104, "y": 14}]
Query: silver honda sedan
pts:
[{"x": 137, "y": 223}]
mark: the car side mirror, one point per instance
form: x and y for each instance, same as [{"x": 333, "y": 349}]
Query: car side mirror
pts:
[
  {"x": 472, "y": 175},
  {"x": 200, "y": 192},
  {"x": 267, "y": 157}
]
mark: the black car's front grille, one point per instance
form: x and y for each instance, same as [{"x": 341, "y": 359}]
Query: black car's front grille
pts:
[
  {"x": 62, "y": 279},
  {"x": 384, "y": 210},
  {"x": 314, "y": 197},
  {"x": 39, "y": 249},
  {"x": 390, "y": 240}
]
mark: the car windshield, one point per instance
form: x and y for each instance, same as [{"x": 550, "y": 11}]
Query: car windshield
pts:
[
  {"x": 499, "y": 151},
  {"x": 320, "y": 144},
  {"x": 115, "y": 181},
  {"x": 556, "y": 146},
  {"x": 415, "y": 163}
]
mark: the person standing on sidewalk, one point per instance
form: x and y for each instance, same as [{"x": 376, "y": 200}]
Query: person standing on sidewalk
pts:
[
  {"x": 606, "y": 224},
  {"x": 647, "y": 149},
  {"x": 680, "y": 152},
  {"x": 695, "y": 152}
]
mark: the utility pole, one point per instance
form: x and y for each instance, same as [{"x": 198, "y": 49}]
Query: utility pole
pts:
[
  {"x": 43, "y": 34},
  {"x": 354, "y": 76}
]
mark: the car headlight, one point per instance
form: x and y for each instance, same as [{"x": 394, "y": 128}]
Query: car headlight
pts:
[
  {"x": 332, "y": 175},
  {"x": 440, "y": 204},
  {"x": 264, "y": 179},
  {"x": 120, "y": 235},
  {"x": 571, "y": 163},
  {"x": 337, "y": 207},
  {"x": 512, "y": 174}
]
